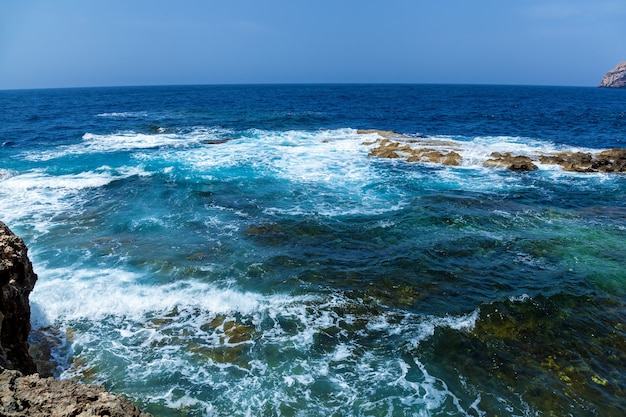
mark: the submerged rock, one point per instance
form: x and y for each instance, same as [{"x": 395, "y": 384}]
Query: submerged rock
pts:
[
  {"x": 616, "y": 78},
  {"x": 547, "y": 345},
  {"x": 215, "y": 141}
]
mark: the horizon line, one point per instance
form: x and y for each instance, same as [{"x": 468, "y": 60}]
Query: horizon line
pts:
[{"x": 294, "y": 84}]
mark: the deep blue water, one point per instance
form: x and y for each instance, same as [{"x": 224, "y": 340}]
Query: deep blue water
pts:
[{"x": 233, "y": 250}]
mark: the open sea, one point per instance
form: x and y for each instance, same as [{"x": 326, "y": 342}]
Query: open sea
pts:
[{"x": 234, "y": 251}]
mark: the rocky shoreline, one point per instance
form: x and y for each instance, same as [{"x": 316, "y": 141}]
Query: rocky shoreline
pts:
[
  {"x": 23, "y": 392},
  {"x": 397, "y": 146}
]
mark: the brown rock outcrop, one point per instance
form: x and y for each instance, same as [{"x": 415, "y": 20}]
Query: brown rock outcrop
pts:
[
  {"x": 450, "y": 153},
  {"x": 435, "y": 156},
  {"x": 616, "y": 78},
  {"x": 611, "y": 160},
  {"x": 387, "y": 148},
  {"x": 570, "y": 161},
  {"x": 31, "y": 395},
  {"x": 514, "y": 163}
]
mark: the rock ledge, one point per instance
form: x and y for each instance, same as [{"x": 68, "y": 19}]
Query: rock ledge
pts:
[{"x": 34, "y": 396}]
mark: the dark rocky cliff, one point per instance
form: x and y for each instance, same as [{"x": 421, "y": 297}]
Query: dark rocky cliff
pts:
[
  {"x": 616, "y": 78},
  {"x": 22, "y": 391},
  {"x": 17, "y": 280}
]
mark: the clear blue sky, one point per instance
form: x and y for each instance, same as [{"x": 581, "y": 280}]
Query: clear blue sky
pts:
[{"x": 68, "y": 43}]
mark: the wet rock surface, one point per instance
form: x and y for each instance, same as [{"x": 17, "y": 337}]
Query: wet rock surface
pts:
[
  {"x": 513, "y": 163},
  {"x": 387, "y": 148},
  {"x": 612, "y": 160}
]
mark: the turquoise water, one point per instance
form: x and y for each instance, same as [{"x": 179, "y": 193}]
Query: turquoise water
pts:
[{"x": 233, "y": 250}]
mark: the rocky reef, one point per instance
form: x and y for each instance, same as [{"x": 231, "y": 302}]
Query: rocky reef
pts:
[
  {"x": 23, "y": 392},
  {"x": 616, "y": 78},
  {"x": 448, "y": 152},
  {"x": 611, "y": 160}
]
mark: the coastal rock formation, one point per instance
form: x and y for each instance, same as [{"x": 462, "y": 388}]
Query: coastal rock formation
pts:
[
  {"x": 612, "y": 160},
  {"x": 17, "y": 280},
  {"x": 570, "y": 161},
  {"x": 391, "y": 149},
  {"x": 447, "y": 152},
  {"x": 44, "y": 397},
  {"x": 616, "y": 78},
  {"x": 32, "y": 395},
  {"x": 514, "y": 163}
]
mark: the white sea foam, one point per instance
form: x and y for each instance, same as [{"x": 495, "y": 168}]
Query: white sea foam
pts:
[
  {"x": 126, "y": 298},
  {"x": 520, "y": 298},
  {"x": 331, "y": 157},
  {"x": 126, "y": 141},
  {"x": 329, "y": 170},
  {"x": 123, "y": 115},
  {"x": 479, "y": 149},
  {"x": 176, "y": 332},
  {"x": 36, "y": 197}
]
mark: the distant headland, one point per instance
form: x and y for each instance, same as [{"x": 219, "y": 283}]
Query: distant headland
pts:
[{"x": 616, "y": 78}]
